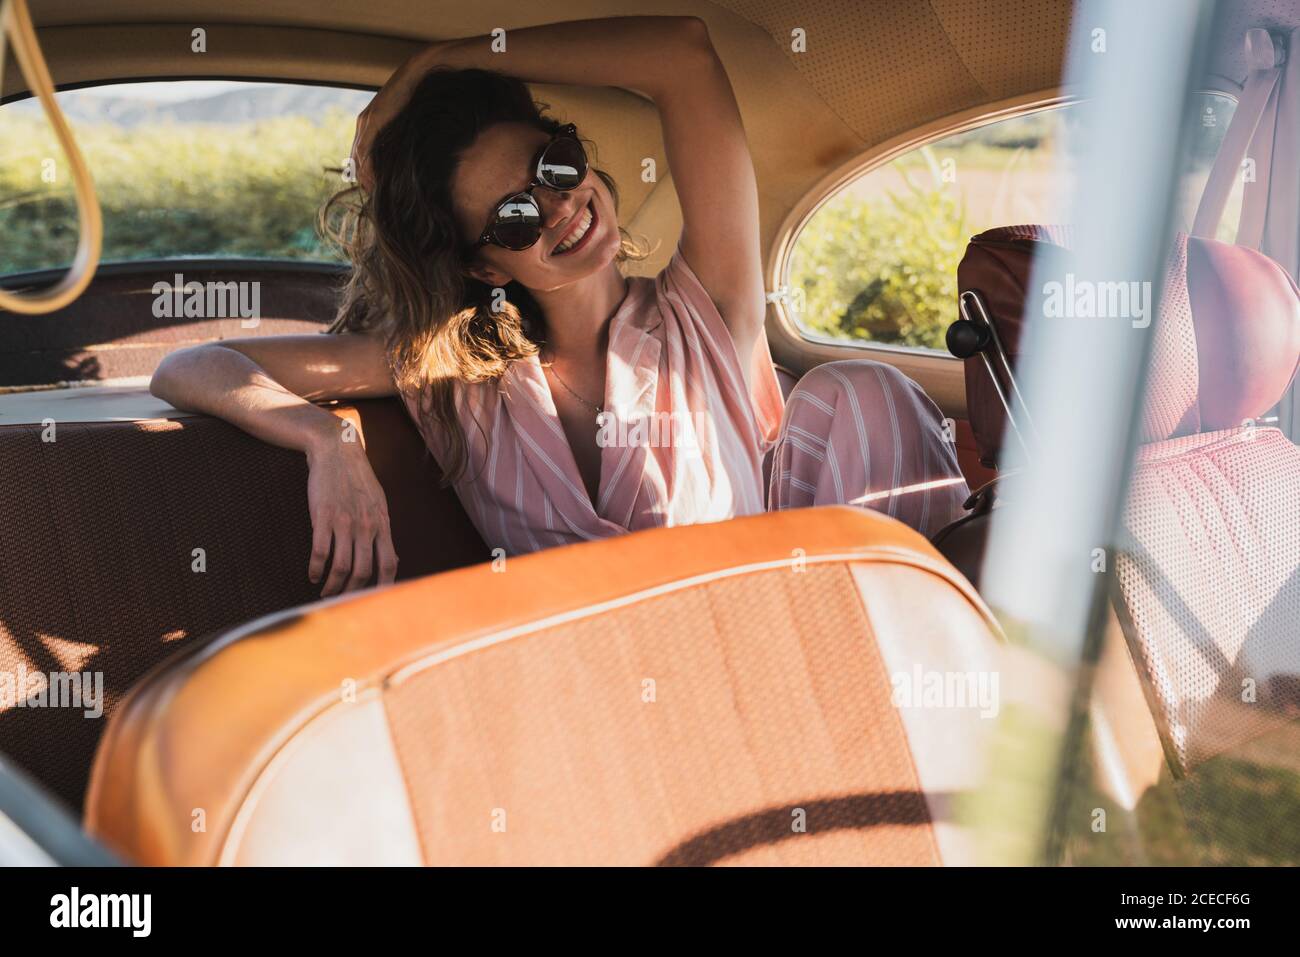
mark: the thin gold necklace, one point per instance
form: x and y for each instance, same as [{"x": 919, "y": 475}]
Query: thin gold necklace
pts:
[{"x": 591, "y": 405}]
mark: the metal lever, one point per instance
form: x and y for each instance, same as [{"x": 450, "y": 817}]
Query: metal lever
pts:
[{"x": 974, "y": 334}]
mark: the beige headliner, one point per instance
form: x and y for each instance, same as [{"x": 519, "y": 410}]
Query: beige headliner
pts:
[{"x": 872, "y": 71}]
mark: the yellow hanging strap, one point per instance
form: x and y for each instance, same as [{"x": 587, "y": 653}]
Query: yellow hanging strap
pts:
[{"x": 16, "y": 22}]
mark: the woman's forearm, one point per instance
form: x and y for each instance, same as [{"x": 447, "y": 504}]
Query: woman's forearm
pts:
[
  {"x": 347, "y": 504},
  {"x": 647, "y": 54},
  {"x": 230, "y": 386}
]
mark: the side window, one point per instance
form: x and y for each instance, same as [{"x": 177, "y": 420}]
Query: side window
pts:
[
  {"x": 877, "y": 262},
  {"x": 182, "y": 168}
]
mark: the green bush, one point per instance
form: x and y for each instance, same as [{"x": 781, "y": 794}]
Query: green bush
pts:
[
  {"x": 883, "y": 270},
  {"x": 250, "y": 189}
]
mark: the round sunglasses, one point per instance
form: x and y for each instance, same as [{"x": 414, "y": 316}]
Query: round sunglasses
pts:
[{"x": 560, "y": 165}]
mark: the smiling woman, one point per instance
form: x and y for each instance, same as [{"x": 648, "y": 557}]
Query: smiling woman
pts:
[
  {"x": 487, "y": 290},
  {"x": 448, "y": 145},
  {"x": 452, "y": 315}
]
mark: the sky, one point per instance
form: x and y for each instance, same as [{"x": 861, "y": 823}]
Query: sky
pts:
[{"x": 169, "y": 91}]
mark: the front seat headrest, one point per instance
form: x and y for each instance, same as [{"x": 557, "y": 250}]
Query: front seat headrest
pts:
[
  {"x": 1227, "y": 335},
  {"x": 997, "y": 267},
  {"x": 1227, "y": 340}
]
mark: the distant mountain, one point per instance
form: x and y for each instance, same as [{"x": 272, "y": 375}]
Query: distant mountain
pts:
[{"x": 260, "y": 102}]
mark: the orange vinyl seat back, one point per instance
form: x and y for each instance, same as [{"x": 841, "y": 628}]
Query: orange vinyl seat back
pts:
[{"x": 697, "y": 695}]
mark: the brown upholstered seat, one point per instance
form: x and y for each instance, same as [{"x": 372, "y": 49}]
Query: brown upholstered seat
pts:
[
  {"x": 712, "y": 693},
  {"x": 97, "y": 546},
  {"x": 996, "y": 268},
  {"x": 97, "y": 549}
]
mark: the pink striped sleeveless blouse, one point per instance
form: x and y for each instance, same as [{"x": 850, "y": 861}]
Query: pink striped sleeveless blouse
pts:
[{"x": 682, "y": 440}]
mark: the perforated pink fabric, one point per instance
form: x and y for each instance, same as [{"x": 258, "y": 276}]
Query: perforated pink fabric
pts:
[
  {"x": 1210, "y": 583},
  {"x": 1170, "y": 408}
]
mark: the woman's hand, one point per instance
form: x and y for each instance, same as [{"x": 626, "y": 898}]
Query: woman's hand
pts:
[
  {"x": 385, "y": 105},
  {"x": 349, "y": 509},
  {"x": 263, "y": 385}
]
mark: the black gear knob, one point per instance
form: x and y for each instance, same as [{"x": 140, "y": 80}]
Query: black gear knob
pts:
[{"x": 966, "y": 339}]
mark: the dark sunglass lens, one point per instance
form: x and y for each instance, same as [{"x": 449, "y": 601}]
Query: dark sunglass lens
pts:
[
  {"x": 518, "y": 224},
  {"x": 563, "y": 165}
]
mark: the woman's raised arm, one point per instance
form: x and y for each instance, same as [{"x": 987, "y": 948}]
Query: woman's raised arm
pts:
[{"x": 672, "y": 61}]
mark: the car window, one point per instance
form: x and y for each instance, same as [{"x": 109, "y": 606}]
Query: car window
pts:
[
  {"x": 182, "y": 168},
  {"x": 877, "y": 263}
]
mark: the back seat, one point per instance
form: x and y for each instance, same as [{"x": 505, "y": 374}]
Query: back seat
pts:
[{"x": 100, "y": 530}]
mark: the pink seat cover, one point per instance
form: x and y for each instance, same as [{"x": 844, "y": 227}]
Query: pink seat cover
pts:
[{"x": 1209, "y": 568}]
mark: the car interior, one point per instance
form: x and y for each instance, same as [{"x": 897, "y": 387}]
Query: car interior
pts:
[{"x": 691, "y": 689}]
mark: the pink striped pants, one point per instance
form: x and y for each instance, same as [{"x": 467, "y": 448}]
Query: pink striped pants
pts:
[{"x": 859, "y": 432}]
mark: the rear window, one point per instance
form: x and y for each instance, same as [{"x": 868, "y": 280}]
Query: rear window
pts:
[{"x": 185, "y": 168}]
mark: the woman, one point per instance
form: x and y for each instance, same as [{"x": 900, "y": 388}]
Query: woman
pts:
[{"x": 562, "y": 400}]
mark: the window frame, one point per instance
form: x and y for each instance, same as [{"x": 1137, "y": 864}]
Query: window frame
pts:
[
  {"x": 777, "y": 270},
  {"x": 20, "y": 95}
]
